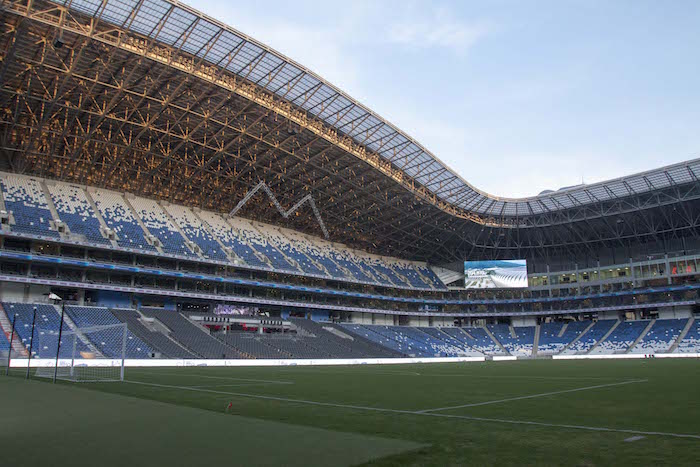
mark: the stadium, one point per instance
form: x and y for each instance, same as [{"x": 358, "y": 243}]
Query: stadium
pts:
[{"x": 223, "y": 248}]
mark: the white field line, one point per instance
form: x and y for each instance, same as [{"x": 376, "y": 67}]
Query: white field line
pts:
[
  {"x": 533, "y": 396},
  {"x": 424, "y": 414},
  {"x": 239, "y": 385},
  {"x": 226, "y": 378},
  {"x": 458, "y": 375}
]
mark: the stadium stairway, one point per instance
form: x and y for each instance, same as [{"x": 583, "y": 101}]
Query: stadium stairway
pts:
[
  {"x": 74, "y": 327},
  {"x": 190, "y": 335},
  {"x": 605, "y": 337},
  {"x": 345, "y": 347},
  {"x": 682, "y": 335},
  {"x": 6, "y": 328},
  {"x": 641, "y": 336},
  {"x": 496, "y": 341},
  {"x": 96, "y": 212},
  {"x": 158, "y": 341},
  {"x": 536, "y": 341},
  {"x": 52, "y": 208},
  {"x": 141, "y": 224},
  {"x": 577, "y": 338},
  {"x": 207, "y": 228}
]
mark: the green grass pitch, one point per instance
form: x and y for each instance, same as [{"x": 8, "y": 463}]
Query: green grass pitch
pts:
[{"x": 588, "y": 413}]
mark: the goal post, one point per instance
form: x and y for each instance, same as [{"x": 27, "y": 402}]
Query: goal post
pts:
[{"x": 88, "y": 354}]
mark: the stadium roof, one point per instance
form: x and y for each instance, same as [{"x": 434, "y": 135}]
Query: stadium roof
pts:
[{"x": 171, "y": 35}]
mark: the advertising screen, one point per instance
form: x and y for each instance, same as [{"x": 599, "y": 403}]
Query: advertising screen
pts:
[{"x": 496, "y": 274}]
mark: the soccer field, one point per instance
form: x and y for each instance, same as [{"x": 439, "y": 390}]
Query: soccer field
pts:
[{"x": 638, "y": 412}]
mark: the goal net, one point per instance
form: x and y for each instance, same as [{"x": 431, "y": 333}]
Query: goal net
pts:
[{"x": 88, "y": 354}]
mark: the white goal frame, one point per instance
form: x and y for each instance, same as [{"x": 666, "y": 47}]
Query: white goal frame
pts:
[{"x": 80, "y": 357}]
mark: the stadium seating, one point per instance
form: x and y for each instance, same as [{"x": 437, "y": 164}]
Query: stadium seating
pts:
[
  {"x": 362, "y": 345},
  {"x": 590, "y": 338},
  {"x": 467, "y": 342},
  {"x": 109, "y": 342},
  {"x": 157, "y": 341},
  {"x": 196, "y": 232},
  {"x": 118, "y": 217},
  {"x": 550, "y": 342},
  {"x": 456, "y": 347},
  {"x": 231, "y": 239},
  {"x": 660, "y": 337},
  {"x": 297, "y": 347},
  {"x": 160, "y": 226},
  {"x": 520, "y": 344},
  {"x": 311, "y": 250},
  {"x": 332, "y": 342},
  {"x": 252, "y": 345},
  {"x": 290, "y": 250},
  {"x": 190, "y": 335},
  {"x": 4, "y": 343},
  {"x": 369, "y": 333},
  {"x": 25, "y": 199},
  {"x": 257, "y": 245},
  {"x": 45, "y": 329},
  {"x": 74, "y": 210},
  {"x": 260, "y": 243},
  {"x": 483, "y": 342},
  {"x": 621, "y": 338},
  {"x": 691, "y": 341}
]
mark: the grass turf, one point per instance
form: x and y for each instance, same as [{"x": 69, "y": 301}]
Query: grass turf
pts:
[{"x": 384, "y": 403}]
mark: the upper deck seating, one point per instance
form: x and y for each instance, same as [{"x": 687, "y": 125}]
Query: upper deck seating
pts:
[
  {"x": 118, "y": 217},
  {"x": 410, "y": 272},
  {"x": 230, "y": 238},
  {"x": 260, "y": 243},
  {"x": 311, "y": 249},
  {"x": 25, "y": 198},
  {"x": 109, "y": 341},
  {"x": 74, "y": 209},
  {"x": 196, "y": 232},
  {"x": 257, "y": 245},
  {"x": 159, "y": 225},
  {"x": 290, "y": 249},
  {"x": 661, "y": 336}
]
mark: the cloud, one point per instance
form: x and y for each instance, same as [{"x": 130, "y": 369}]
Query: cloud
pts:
[{"x": 439, "y": 30}]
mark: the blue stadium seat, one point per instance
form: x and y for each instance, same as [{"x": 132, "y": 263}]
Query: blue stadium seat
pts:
[{"x": 25, "y": 199}]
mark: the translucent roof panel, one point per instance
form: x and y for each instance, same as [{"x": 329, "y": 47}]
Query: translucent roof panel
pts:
[{"x": 186, "y": 29}]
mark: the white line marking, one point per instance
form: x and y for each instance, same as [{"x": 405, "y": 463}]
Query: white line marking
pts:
[
  {"x": 227, "y": 378},
  {"x": 533, "y": 396},
  {"x": 410, "y": 412},
  {"x": 633, "y": 439},
  {"x": 237, "y": 385}
]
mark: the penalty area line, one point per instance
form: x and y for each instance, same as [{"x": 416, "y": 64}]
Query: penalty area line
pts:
[
  {"x": 424, "y": 414},
  {"x": 533, "y": 396}
]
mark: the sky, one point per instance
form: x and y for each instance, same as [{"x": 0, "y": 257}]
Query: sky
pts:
[{"x": 515, "y": 96}]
